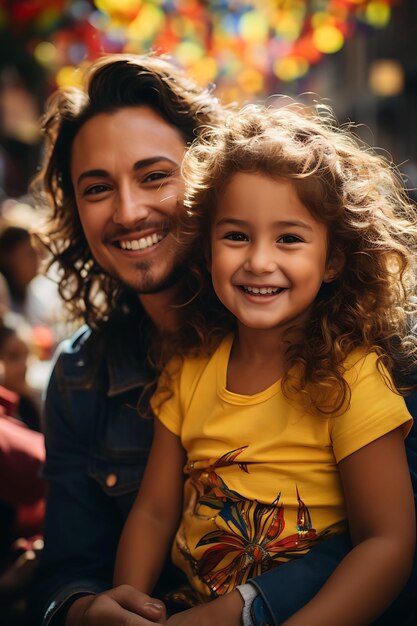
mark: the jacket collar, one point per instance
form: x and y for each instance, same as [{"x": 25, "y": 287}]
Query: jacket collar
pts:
[
  {"x": 121, "y": 350},
  {"x": 126, "y": 370},
  {"x": 126, "y": 357}
]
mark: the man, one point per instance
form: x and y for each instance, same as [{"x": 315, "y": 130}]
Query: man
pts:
[{"x": 112, "y": 178}]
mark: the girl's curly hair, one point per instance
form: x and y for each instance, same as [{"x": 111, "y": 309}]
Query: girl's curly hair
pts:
[
  {"x": 111, "y": 83},
  {"x": 371, "y": 224}
]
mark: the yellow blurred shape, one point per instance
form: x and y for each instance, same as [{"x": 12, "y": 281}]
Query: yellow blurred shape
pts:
[
  {"x": 250, "y": 80},
  {"x": 68, "y": 76},
  {"x": 45, "y": 53},
  {"x": 146, "y": 24},
  {"x": 328, "y": 39},
  {"x": 288, "y": 26},
  {"x": 386, "y": 77},
  {"x": 204, "y": 70},
  {"x": 117, "y": 6},
  {"x": 291, "y": 68},
  {"x": 378, "y": 14},
  {"x": 319, "y": 18},
  {"x": 188, "y": 52},
  {"x": 253, "y": 27}
]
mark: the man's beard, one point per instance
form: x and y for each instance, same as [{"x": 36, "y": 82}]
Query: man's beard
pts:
[{"x": 149, "y": 285}]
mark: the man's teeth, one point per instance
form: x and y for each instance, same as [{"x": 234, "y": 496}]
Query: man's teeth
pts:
[
  {"x": 142, "y": 243},
  {"x": 262, "y": 290}
]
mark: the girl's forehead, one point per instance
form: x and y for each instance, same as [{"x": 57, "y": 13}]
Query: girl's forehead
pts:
[{"x": 257, "y": 196}]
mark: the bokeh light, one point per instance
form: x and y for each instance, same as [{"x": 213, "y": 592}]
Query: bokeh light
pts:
[
  {"x": 245, "y": 47},
  {"x": 328, "y": 39},
  {"x": 386, "y": 77},
  {"x": 378, "y": 14}
]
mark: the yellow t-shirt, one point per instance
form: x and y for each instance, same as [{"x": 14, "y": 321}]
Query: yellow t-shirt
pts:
[{"x": 263, "y": 484}]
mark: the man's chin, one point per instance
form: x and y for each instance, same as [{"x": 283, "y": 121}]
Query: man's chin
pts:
[{"x": 150, "y": 285}]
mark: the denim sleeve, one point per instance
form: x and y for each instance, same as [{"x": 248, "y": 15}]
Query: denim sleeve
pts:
[
  {"x": 287, "y": 588},
  {"x": 81, "y": 526}
]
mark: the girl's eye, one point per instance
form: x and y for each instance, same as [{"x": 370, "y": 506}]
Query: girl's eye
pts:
[
  {"x": 236, "y": 237},
  {"x": 289, "y": 239}
]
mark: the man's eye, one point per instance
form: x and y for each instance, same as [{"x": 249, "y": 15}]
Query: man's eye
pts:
[
  {"x": 156, "y": 176},
  {"x": 94, "y": 190},
  {"x": 289, "y": 239},
  {"x": 236, "y": 237}
]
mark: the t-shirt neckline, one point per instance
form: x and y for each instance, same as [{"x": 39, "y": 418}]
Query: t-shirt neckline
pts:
[{"x": 222, "y": 357}]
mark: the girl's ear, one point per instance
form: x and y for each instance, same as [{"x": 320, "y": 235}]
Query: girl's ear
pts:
[{"x": 335, "y": 266}]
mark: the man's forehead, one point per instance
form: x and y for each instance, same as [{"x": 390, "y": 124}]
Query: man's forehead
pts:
[
  {"x": 134, "y": 137},
  {"x": 140, "y": 118}
]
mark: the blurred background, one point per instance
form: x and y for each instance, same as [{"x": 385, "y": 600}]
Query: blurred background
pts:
[
  {"x": 358, "y": 55},
  {"x": 361, "y": 55}
]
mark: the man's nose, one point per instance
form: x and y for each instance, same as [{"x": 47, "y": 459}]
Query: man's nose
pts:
[
  {"x": 130, "y": 207},
  {"x": 261, "y": 260}
]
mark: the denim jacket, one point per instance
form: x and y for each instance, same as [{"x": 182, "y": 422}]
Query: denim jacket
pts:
[{"x": 97, "y": 447}]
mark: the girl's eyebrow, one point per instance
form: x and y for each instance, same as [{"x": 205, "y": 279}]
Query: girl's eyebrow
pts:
[
  {"x": 136, "y": 166},
  {"x": 232, "y": 221}
]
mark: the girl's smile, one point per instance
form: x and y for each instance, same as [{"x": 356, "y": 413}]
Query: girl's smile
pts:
[
  {"x": 269, "y": 253},
  {"x": 262, "y": 291}
]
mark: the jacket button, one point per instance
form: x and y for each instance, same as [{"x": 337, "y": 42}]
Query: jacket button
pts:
[{"x": 111, "y": 480}]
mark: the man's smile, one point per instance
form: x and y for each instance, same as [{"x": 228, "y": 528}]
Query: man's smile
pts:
[{"x": 140, "y": 243}]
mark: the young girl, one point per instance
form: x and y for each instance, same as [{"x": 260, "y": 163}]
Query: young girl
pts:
[{"x": 291, "y": 425}]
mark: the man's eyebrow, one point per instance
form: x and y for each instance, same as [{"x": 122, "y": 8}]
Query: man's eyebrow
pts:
[
  {"x": 279, "y": 223},
  {"x": 142, "y": 163},
  {"x": 92, "y": 174},
  {"x": 151, "y": 161}
]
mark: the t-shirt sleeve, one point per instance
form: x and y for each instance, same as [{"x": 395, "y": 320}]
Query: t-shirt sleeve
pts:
[
  {"x": 166, "y": 401},
  {"x": 375, "y": 408}
]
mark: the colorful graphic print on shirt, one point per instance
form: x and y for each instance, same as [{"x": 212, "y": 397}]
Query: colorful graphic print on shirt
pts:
[{"x": 247, "y": 540}]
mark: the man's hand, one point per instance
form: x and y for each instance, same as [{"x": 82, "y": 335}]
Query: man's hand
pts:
[
  {"x": 122, "y": 606},
  {"x": 224, "y": 611}
]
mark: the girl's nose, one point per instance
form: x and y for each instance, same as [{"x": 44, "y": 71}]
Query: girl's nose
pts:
[{"x": 261, "y": 260}]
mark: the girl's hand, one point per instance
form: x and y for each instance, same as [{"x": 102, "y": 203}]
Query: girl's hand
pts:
[{"x": 224, "y": 611}]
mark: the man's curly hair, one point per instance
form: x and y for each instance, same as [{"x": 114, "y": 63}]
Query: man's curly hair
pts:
[
  {"x": 111, "y": 83},
  {"x": 371, "y": 223}
]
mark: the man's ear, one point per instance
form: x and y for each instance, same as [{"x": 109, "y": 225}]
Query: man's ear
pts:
[{"x": 335, "y": 266}]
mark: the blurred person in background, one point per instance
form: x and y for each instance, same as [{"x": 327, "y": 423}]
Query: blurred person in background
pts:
[
  {"x": 4, "y": 297},
  {"x": 14, "y": 355},
  {"x": 18, "y": 264},
  {"x": 29, "y": 293}
]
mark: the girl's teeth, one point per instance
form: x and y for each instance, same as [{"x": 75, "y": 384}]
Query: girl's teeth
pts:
[{"x": 262, "y": 290}]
